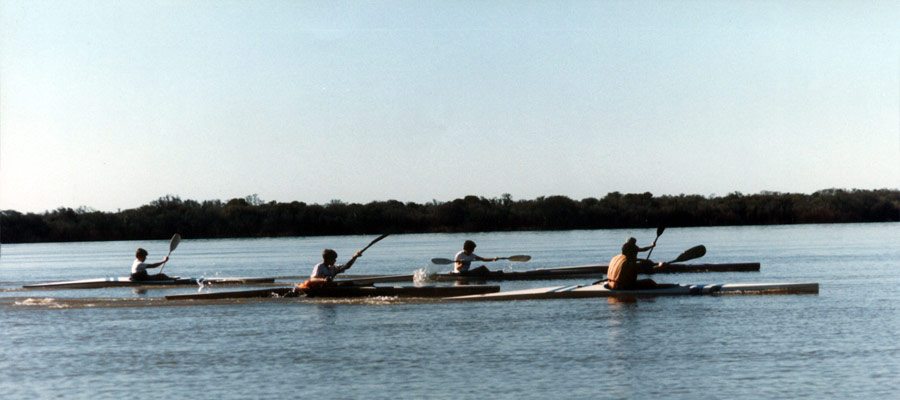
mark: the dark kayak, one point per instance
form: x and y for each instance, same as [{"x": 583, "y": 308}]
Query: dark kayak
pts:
[{"x": 591, "y": 271}]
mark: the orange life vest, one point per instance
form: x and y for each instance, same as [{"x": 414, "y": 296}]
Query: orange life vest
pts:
[
  {"x": 622, "y": 273},
  {"x": 308, "y": 284}
]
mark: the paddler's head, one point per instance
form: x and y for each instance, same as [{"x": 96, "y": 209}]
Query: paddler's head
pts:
[
  {"x": 140, "y": 254},
  {"x": 329, "y": 256},
  {"x": 630, "y": 249},
  {"x": 469, "y": 246}
]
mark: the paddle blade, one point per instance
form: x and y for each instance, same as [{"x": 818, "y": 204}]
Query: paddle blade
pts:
[
  {"x": 174, "y": 242},
  {"x": 176, "y": 238},
  {"x": 690, "y": 254},
  {"x": 441, "y": 261},
  {"x": 519, "y": 258}
]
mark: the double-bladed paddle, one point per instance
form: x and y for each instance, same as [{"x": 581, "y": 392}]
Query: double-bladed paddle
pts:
[
  {"x": 172, "y": 245},
  {"x": 517, "y": 258}
]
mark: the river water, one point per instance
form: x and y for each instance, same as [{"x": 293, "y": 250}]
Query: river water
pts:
[{"x": 123, "y": 343}]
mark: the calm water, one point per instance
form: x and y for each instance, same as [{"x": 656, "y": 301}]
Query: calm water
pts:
[{"x": 120, "y": 343}]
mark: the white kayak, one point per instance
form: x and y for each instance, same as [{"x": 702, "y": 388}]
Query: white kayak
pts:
[
  {"x": 117, "y": 281},
  {"x": 600, "y": 290}
]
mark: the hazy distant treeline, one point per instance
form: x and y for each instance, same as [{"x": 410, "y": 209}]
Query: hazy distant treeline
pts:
[{"x": 251, "y": 217}]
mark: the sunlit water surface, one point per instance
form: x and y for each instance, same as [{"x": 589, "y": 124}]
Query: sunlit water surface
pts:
[{"x": 123, "y": 343}]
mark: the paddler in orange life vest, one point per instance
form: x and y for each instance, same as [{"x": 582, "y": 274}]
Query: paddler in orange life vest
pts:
[
  {"x": 623, "y": 268},
  {"x": 464, "y": 258},
  {"x": 324, "y": 272}
]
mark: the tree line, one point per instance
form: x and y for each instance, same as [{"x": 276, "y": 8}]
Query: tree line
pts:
[{"x": 251, "y": 217}]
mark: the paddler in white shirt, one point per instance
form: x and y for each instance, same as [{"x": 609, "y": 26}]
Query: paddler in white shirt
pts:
[
  {"x": 139, "y": 268},
  {"x": 463, "y": 260},
  {"x": 324, "y": 272}
]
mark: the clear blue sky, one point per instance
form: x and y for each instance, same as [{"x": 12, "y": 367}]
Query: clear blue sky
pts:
[{"x": 113, "y": 104}]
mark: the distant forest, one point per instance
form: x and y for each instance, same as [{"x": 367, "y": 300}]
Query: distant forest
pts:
[{"x": 251, "y": 217}]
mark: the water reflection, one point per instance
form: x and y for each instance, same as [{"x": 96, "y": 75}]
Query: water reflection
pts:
[
  {"x": 325, "y": 313},
  {"x": 621, "y": 300},
  {"x": 623, "y": 344}
]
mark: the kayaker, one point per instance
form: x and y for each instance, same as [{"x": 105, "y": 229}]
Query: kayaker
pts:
[
  {"x": 623, "y": 268},
  {"x": 324, "y": 272},
  {"x": 139, "y": 268},
  {"x": 464, "y": 258}
]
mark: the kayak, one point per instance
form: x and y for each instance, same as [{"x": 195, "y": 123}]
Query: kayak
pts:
[
  {"x": 591, "y": 271},
  {"x": 345, "y": 291},
  {"x": 124, "y": 281},
  {"x": 601, "y": 290}
]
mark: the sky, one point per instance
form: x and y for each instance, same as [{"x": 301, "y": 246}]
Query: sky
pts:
[{"x": 111, "y": 105}]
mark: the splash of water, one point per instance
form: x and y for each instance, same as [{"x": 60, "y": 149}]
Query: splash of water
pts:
[
  {"x": 204, "y": 283},
  {"x": 423, "y": 275},
  {"x": 48, "y": 302},
  {"x": 420, "y": 277}
]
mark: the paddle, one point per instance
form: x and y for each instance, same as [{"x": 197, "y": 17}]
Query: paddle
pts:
[
  {"x": 517, "y": 258},
  {"x": 172, "y": 245},
  {"x": 690, "y": 254},
  {"x": 659, "y": 232},
  {"x": 374, "y": 241}
]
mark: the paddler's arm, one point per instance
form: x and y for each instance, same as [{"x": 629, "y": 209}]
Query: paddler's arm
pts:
[
  {"x": 159, "y": 263},
  {"x": 646, "y": 260},
  {"x": 349, "y": 263},
  {"x": 486, "y": 259},
  {"x": 647, "y": 248}
]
